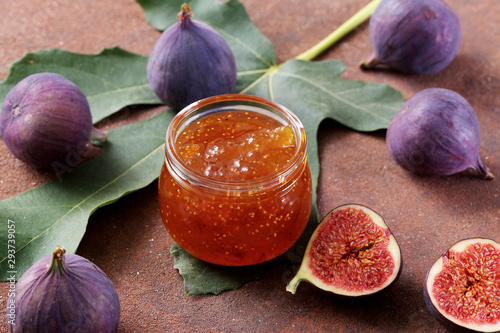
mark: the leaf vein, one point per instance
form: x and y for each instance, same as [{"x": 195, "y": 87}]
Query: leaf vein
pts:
[
  {"x": 118, "y": 90},
  {"x": 268, "y": 73},
  {"x": 246, "y": 47},
  {"x": 334, "y": 95},
  {"x": 78, "y": 206}
]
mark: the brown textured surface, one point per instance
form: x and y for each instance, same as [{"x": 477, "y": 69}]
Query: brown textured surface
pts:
[{"x": 427, "y": 215}]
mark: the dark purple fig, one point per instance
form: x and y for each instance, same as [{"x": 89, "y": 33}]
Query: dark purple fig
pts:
[
  {"x": 436, "y": 132},
  {"x": 462, "y": 288},
  {"x": 46, "y": 119},
  {"x": 418, "y": 37},
  {"x": 63, "y": 293},
  {"x": 190, "y": 61},
  {"x": 351, "y": 253}
]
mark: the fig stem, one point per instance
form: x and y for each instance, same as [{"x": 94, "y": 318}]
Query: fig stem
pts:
[
  {"x": 185, "y": 12},
  {"x": 98, "y": 137},
  {"x": 370, "y": 62},
  {"x": 483, "y": 170},
  {"x": 340, "y": 32},
  {"x": 293, "y": 284},
  {"x": 57, "y": 261}
]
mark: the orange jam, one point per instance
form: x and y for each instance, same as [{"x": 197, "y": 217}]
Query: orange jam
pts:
[{"x": 235, "y": 188}]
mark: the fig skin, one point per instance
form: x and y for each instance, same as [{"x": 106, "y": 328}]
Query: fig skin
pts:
[
  {"x": 189, "y": 62},
  {"x": 436, "y": 132},
  {"x": 415, "y": 37},
  {"x": 352, "y": 249},
  {"x": 45, "y": 118},
  {"x": 455, "y": 324},
  {"x": 64, "y": 293}
]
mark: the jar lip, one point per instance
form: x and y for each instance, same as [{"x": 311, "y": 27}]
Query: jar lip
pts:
[{"x": 238, "y": 101}]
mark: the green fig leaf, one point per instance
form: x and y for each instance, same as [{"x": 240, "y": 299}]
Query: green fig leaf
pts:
[
  {"x": 111, "y": 80},
  {"x": 57, "y": 212},
  {"x": 314, "y": 91},
  {"x": 205, "y": 278}
]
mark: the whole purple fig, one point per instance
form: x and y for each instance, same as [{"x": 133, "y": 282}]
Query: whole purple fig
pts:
[
  {"x": 63, "y": 293},
  {"x": 190, "y": 61},
  {"x": 46, "y": 119},
  {"x": 417, "y": 37},
  {"x": 436, "y": 132}
]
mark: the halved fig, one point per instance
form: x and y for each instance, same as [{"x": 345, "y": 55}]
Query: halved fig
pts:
[
  {"x": 462, "y": 288},
  {"x": 352, "y": 253}
]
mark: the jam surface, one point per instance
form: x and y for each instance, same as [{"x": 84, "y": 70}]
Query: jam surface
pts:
[
  {"x": 240, "y": 227},
  {"x": 236, "y": 146}
]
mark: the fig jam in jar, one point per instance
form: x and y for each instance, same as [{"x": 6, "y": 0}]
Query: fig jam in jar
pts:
[{"x": 235, "y": 188}]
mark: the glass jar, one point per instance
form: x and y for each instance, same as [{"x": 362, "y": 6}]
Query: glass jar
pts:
[{"x": 235, "y": 187}]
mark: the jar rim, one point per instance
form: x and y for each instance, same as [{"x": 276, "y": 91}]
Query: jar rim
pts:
[{"x": 235, "y": 101}]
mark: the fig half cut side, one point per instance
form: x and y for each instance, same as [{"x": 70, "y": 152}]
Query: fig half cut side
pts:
[
  {"x": 351, "y": 253},
  {"x": 462, "y": 288}
]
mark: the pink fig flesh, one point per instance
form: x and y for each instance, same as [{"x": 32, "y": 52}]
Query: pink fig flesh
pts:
[
  {"x": 462, "y": 288},
  {"x": 351, "y": 253}
]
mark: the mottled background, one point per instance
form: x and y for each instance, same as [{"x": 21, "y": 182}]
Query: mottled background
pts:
[{"x": 427, "y": 215}]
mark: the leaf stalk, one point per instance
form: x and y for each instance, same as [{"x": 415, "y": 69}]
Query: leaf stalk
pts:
[{"x": 339, "y": 33}]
